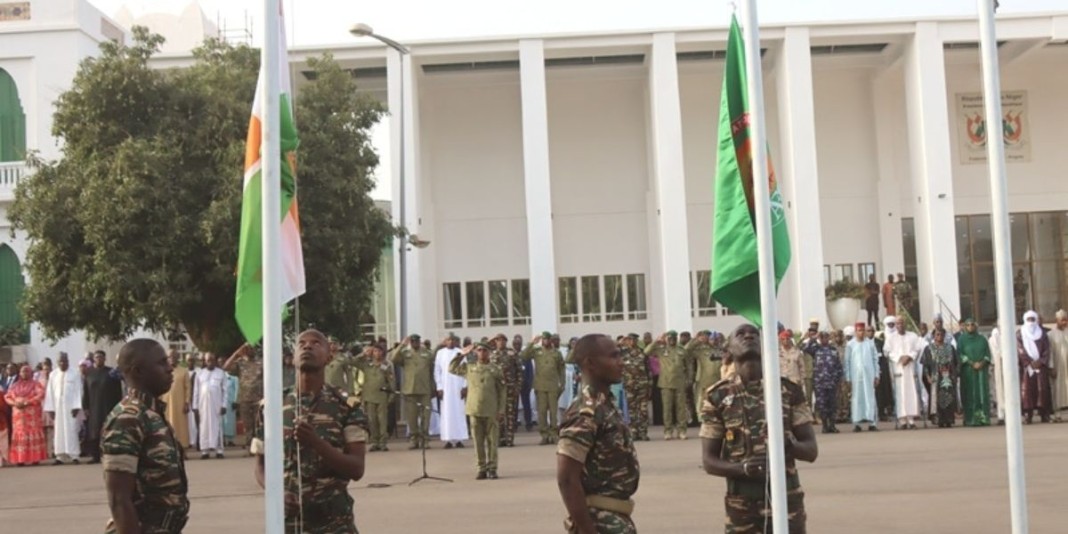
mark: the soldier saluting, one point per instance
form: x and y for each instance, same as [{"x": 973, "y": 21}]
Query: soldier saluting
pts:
[
  {"x": 324, "y": 447},
  {"x": 596, "y": 464},
  {"x": 144, "y": 466},
  {"x": 734, "y": 438}
]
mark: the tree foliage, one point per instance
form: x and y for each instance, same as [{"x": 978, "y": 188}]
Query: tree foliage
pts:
[{"x": 137, "y": 224}]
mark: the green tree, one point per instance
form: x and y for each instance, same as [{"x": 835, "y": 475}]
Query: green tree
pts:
[{"x": 137, "y": 223}]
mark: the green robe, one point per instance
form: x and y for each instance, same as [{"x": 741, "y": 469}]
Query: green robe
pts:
[{"x": 974, "y": 386}]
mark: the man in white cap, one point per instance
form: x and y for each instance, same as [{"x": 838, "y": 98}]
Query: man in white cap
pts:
[{"x": 902, "y": 347}]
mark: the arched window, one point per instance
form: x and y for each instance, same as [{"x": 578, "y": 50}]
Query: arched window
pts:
[
  {"x": 12, "y": 121},
  {"x": 12, "y": 285}
]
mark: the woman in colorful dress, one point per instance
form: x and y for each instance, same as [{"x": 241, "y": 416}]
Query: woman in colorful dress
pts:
[
  {"x": 941, "y": 365},
  {"x": 27, "y": 423}
]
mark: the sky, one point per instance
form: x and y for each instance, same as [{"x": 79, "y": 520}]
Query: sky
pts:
[{"x": 317, "y": 22}]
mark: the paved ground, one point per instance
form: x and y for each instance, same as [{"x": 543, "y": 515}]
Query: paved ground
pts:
[{"x": 908, "y": 481}]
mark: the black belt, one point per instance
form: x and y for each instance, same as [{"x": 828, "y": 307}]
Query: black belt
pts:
[{"x": 755, "y": 489}]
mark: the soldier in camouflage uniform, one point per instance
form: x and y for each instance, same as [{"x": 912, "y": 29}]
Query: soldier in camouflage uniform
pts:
[
  {"x": 326, "y": 438},
  {"x": 637, "y": 385},
  {"x": 247, "y": 364},
  {"x": 379, "y": 385},
  {"x": 508, "y": 360},
  {"x": 144, "y": 465},
  {"x": 597, "y": 468},
  {"x": 734, "y": 439}
]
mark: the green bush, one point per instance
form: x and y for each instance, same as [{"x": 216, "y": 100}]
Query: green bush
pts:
[{"x": 844, "y": 289}]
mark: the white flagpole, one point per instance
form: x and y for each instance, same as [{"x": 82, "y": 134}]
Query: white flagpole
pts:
[
  {"x": 999, "y": 216},
  {"x": 768, "y": 315},
  {"x": 271, "y": 158}
]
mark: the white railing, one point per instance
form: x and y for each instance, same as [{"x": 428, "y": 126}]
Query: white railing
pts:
[{"x": 11, "y": 172}]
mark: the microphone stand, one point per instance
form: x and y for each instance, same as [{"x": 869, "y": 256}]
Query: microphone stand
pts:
[{"x": 425, "y": 476}]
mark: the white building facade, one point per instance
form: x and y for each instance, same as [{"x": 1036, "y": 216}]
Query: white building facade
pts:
[{"x": 565, "y": 182}]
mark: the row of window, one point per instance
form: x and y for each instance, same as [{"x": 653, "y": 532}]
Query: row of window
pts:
[
  {"x": 844, "y": 271},
  {"x": 492, "y": 303},
  {"x": 595, "y": 298}
]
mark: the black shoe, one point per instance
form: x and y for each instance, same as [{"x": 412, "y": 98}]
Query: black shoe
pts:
[
  {"x": 834, "y": 429},
  {"x": 218, "y": 456},
  {"x": 204, "y": 456},
  {"x": 459, "y": 444},
  {"x": 856, "y": 428},
  {"x": 448, "y": 444},
  {"x": 492, "y": 475},
  {"x": 1001, "y": 422},
  {"x": 93, "y": 461},
  {"x": 481, "y": 475},
  {"x": 384, "y": 448},
  {"x": 413, "y": 446},
  {"x": 873, "y": 428},
  {"x": 75, "y": 461},
  {"x": 55, "y": 462}
]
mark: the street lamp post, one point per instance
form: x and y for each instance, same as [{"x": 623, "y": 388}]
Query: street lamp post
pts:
[{"x": 363, "y": 30}]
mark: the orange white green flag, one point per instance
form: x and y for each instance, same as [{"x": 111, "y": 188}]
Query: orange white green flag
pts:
[{"x": 249, "y": 296}]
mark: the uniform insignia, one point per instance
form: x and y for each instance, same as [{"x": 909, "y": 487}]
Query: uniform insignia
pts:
[
  {"x": 728, "y": 400},
  {"x": 730, "y": 435}
]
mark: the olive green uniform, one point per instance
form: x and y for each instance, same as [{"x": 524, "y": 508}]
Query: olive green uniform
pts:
[
  {"x": 593, "y": 433},
  {"x": 326, "y": 503},
  {"x": 512, "y": 367},
  {"x": 485, "y": 406},
  {"x": 734, "y": 412},
  {"x": 548, "y": 384},
  {"x": 379, "y": 384},
  {"x": 708, "y": 361},
  {"x": 137, "y": 439},
  {"x": 417, "y": 385},
  {"x": 341, "y": 374},
  {"x": 673, "y": 383}
]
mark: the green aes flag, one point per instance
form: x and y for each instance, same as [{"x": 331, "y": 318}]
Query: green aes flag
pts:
[{"x": 735, "y": 277}]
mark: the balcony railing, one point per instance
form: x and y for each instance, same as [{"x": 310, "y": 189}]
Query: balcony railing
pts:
[{"x": 11, "y": 173}]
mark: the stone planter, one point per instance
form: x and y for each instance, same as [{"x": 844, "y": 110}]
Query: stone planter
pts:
[{"x": 843, "y": 312}]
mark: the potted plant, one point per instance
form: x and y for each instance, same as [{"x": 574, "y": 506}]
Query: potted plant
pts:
[{"x": 844, "y": 299}]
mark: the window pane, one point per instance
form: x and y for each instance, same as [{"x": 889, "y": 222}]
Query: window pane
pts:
[
  {"x": 843, "y": 271},
  {"x": 908, "y": 241},
  {"x": 591, "y": 298},
  {"x": 613, "y": 297},
  {"x": 967, "y": 296},
  {"x": 1048, "y": 281},
  {"x": 706, "y": 306},
  {"x": 498, "y": 301},
  {"x": 1021, "y": 289},
  {"x": 986, "y": 299},
  {"x": 1048, "y": 235},
  {"x": 982, "y": 238},
  {"x": 568, "y": 300},
  {"x": 451, "y": 302},
  {"x": 520, "y": 301},
  {"x": 1021, "y": 247},
  {"x": 963, "y": 243},
  {"x": 636, "y": 296},
  {"x": 476, "y": 304},
  {"x": 865, "y": 270}
]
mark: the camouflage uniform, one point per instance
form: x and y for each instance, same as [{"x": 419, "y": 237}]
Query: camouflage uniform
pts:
[
  {"x": 512, "y": 367},
  {"x": 327, "y": 505},
  {"x": 379, "y": 384},
  {"x": 708, "y": 361},
  {"x": 637, "y": 384},
  {"x": 138, "y": 440},
  {"x": 734, "y": 412},
  {"x": 417, "y": 384},
  {"x": 249, "y": 372},
  {"x": 594, "y": 434}
]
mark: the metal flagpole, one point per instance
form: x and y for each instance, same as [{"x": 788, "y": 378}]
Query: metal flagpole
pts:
[
  {"x": 271, "y": 159},
  {"x": 762, "y": 206},
  {"x": 999, "y": 216}
]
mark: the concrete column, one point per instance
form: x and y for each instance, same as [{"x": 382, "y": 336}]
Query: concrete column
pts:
[
  {"x": 932, "y": 170},
  {"x": 537, "y": 186},
  {"x": 669, "y": 184},
  {"x": 800, "y": 178},
  {"x": 889, "y": 135},
  {"x": 419, "y": 306}
]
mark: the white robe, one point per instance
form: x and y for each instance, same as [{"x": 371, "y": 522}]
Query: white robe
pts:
[
  {"x": 62, "y": 396},
  {"x": 906, "y": 394},
  {"x": 453, "y": 420},
  {"x": 209, "y": 397},
  {"x": 999, "y": 380},
  {"x": 192, "y": 417},
  {"x": 1058, "y": 351}
]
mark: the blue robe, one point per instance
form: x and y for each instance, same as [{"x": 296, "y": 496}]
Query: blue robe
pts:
[
  {"x": 861, "y": 370},
  {"x": 230, "y": 419}
]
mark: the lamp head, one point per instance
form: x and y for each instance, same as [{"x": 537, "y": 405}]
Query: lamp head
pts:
[{"x": 361, "y": 30}]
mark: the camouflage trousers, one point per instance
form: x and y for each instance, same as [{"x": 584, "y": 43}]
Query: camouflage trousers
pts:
[
  {"x": 511, "y": 415},
  {"x": 638, "y": 397},
  {"x": 607, "y": 523},
  {"x": 748, "y": 515}
]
